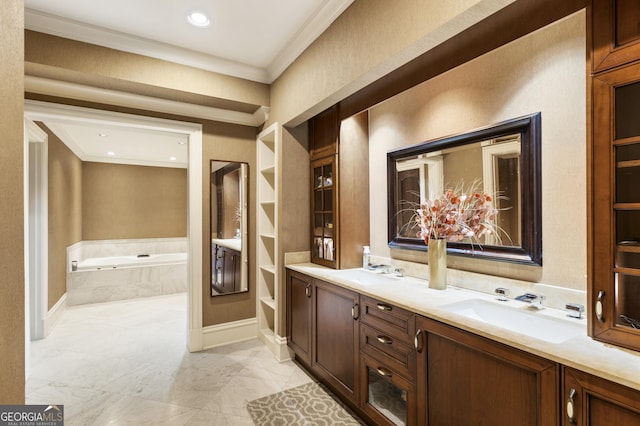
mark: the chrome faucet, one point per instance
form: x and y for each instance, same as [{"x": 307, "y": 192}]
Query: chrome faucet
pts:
[
  {"x": 502, "y": 293},
  {"x": 574, "y": 310},
  {"x": 534, "y": 299},
  {"x": 398, "y": 272}
]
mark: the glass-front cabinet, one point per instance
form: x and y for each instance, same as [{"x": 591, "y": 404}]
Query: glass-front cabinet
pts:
[
  {"x": 324, "y": 232},
  {"x": 615, "y": 286}
]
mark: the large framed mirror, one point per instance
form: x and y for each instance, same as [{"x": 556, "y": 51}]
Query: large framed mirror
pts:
[
  {"x": 502, "y": 160},
  {"x": 229, "y": 192}
]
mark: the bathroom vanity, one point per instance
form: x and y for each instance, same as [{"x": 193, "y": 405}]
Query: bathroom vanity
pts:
[{"x": 398, "y": 352}]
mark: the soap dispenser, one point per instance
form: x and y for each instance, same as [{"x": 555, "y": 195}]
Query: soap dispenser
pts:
[{"x": 365, "y": 257}]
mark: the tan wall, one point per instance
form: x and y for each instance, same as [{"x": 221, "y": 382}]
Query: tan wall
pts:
[
  {"x": 65, "y": 212},
  {"x": 68, "y": 60},
  {"x": 544, "y": 72},
  {"x": 368, "y": 40},
  {"x": 227, "y": 142},
  {"x": 123, "y": 201},
  {"x": 12, "y": 327}
]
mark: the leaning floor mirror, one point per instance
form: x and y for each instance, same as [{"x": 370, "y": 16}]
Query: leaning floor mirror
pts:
[{"x": 229, "y": 192}]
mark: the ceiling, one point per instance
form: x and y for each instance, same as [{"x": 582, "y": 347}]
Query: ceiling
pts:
[{"x": 250, "y": 39}]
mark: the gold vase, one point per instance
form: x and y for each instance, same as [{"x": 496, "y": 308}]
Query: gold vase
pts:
[{"x": 438, "y": 264}]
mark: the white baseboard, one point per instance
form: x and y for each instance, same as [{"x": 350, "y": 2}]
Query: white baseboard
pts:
[
  {"x": 54, "y": 314},
  {"x": 231, "y": 332},
  {"x": 282, "y": 351}
]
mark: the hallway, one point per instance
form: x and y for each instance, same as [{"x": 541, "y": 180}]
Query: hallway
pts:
[{"x": 126, "y": 363}]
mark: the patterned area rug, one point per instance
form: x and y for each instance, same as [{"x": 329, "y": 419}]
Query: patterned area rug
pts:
[{"x": 305, "y": 405}]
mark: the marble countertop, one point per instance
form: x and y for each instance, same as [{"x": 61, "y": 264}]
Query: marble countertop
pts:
[
  {"x": 581, "y": 352},
  {"x": 231, "y": 243}
]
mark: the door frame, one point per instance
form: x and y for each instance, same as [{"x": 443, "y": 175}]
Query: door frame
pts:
[{"x": 41, "y": 111}]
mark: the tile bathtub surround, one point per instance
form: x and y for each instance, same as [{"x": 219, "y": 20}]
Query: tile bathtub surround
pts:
[{"x": 127, "y": 363}]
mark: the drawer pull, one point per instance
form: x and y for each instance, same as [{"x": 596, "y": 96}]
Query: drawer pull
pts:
[
  {"x": 385, "y": 340},
  {"x": 571, "y": 414},
  {"x": 384, "y": 307},
  {"x": 384, "y": 372}
]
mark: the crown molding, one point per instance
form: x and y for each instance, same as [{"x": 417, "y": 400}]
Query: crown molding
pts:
[
  {"x": 308, "y": 33},
  {"x": 79, "y": 31}
]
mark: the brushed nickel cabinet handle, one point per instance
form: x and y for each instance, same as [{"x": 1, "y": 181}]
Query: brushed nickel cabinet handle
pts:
[
  {"x": 384, "y": 307},
  {"x": 599, "y": 308},
  {"x": 571, "y": 412},
  {"x": 386, "y": 340},
  {"x": 307, "y": 290},
  {"x": 417, "y": 341},
  {"x": 384, "y": 372}
]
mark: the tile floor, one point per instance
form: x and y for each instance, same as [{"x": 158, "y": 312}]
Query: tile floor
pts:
[{"x": 126, "y": 362}]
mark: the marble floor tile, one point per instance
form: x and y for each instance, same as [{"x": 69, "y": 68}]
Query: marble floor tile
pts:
[{"x": 126, "y": 362}]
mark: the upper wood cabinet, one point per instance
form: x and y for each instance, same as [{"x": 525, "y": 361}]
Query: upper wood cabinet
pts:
[
  {"x": 339, "y": 189},
  {"x": 615, "y": 283},
  {"x": 616, "y": 33}
]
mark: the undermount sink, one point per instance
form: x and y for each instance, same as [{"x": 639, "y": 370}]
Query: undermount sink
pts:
[
  {"x": 362, "y": 276},
  {"x": 520, "y": 320}
]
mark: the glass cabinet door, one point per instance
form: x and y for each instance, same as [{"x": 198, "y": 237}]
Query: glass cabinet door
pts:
[
  {"x": 386, "y": 396},
  {"x": 627, "y": 205},
  {"x": 323, "y": 210}
]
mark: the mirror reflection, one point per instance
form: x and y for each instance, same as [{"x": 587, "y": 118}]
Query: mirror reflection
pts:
[
  {"x": 229, "y": 245},
  {"x": 500, "y": 160}
]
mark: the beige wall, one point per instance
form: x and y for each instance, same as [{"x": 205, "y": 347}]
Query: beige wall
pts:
[
  {"x": 65, "y": 212},
  {"x": 544, "y": 72},
  {"x": 123, "y": 201},
  {"x": 227, "y": 142},
  {"x": 12, "y": 275},
  {"x": 362, "y": 45}
]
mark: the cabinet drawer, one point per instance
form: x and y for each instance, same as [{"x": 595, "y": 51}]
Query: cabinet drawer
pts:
[
  {"x": 397, "y": 354},
  {"x": 396, "y": 322}
]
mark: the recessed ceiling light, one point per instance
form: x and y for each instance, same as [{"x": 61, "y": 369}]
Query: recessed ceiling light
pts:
[
  {"x": 111, "y": 153},
  {"x": 172, "y": 158},
  {"x": 198, "y": 19},
  {"x": 181, "y": 143},
  {"x": 103, "y": 135}
]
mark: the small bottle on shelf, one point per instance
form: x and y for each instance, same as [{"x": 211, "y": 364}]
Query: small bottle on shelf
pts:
[{"x": 365, "y": 257}]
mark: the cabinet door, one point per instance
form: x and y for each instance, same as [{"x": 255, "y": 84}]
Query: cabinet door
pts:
[
  {"x": 616, "y": 33},
  {"x": 387, "y": 397},
  {"x": 614, "y": 287},
  {"x": 473, "y": 380},
  {"x": 324, "y": 250},
  {"x": 335, "y": 351},
  {"x": 299, "y": 296},
  {"x": 590, "y": 400}
]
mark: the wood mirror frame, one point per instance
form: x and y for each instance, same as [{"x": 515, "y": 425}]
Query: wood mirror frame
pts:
[{"x": 530, "y": 249}]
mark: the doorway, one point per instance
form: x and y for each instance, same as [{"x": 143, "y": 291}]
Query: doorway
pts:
[{"x": 38, "y": 316}]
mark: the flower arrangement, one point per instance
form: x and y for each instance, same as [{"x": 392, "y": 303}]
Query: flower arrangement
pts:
[{"x": 456, "y": 215}]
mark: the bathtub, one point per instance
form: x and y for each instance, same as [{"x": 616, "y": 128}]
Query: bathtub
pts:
[
  {"x": 112, "y": 262},
  {"x": 96, "y": 275}
]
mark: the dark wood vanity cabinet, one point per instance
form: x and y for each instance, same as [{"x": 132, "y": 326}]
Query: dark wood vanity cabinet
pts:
[
  {"x": 387, "y": 363},
  {"x": 590, "y": 400},
  {"x": 465, "y": 379},
  {"x": 299, "y": 315},
  {"x": 322, "y": 324},
  {"x": 614, "y": 249}
]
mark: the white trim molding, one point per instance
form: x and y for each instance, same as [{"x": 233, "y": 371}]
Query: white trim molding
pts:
[
  {"x": 54, "y": 314},
  {"x": 230, "y": 332}
]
